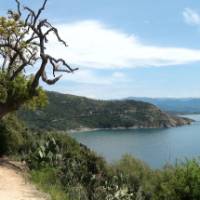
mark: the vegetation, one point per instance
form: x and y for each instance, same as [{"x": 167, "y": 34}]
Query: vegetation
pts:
[
  {"x": 46, "y": 179},
  {"x": 23, "y": 39},
  {"x": 70, "y": 171},
  {"x": 66, "y": 112},
  {"x": 12, "y": 135}
]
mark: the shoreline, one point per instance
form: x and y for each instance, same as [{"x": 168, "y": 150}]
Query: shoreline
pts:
[{"x": 85, "y": 129}]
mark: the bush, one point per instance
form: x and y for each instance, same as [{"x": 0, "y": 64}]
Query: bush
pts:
[
  {"x": 12, "y": 135},
  {"x": 47, "y": 180},
  {"x": 42, "y": 150},
  {"x": 133, "y": 175},
  {"x": 85, "y": 168},
  {"x": 180, "y": 182}
]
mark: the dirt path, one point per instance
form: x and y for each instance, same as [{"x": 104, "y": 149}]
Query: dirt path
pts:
[{"x": 14, "y": 186}]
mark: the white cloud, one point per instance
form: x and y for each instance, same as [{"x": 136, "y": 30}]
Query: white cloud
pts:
[
  {"x": 191, "y": 16},
  {"x": 94, "y": 45},
  {"x": 87, "y": 76},
  {"x": 118, "y": 75},
  {"x": 91, "y": 77}
]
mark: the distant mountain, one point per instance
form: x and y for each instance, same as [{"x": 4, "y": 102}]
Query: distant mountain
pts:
[
  {"x": 173, "y": 105},
  {"x": 66, "y": 112}
]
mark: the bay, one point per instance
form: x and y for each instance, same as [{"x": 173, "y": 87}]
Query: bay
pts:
[{"x": 156, "y": 147}]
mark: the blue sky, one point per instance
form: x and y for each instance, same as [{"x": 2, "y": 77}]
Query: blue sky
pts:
[{"x": 126, "y": 48}]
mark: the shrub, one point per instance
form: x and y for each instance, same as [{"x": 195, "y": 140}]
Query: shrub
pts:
[
  {"x": 12, "y": 135},
  {"x": 180, "y": 182},
  {"x": 47, "y": 180},
  {"x": 42, "y": 150}
]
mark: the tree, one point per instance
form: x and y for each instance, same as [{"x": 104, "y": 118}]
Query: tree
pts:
[{"x": 23, "y": 40}]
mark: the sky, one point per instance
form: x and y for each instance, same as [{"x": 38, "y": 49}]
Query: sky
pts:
[{"x": 125, "y": 48}]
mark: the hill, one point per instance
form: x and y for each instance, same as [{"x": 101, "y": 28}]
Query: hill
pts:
[
  {"x": 173, "y": 105},
  {"x": 66, "y": 112}
]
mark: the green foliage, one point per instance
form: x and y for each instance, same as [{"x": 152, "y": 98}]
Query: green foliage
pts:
[
  {"x": 85, "y": 168},
  {"x": 135, "y": 174},
  {"x": 42, "y": 151},
  {"x": 13, "y": 92},
  {"x": 17, "y": 92},
  {"x": 12, "y": 135},
  {"x": 180, "y": 182},
  {"x": 47, "y": 180},
  {"x": 38, "y": 101},
  {"x": 8, "y": 27}
]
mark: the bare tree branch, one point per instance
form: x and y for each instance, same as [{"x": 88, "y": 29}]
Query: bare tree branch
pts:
[
  {"x": 40, "y": 11},
  {"x": 33, "y": 37},
  {"x": 50, "y": 81},
  {"x": 18, "y": 8}
]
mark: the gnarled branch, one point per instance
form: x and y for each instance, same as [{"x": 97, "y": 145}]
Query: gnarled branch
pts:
[{"x": 30, "y": 37}]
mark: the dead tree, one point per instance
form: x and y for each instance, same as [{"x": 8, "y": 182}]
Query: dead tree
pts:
[{"x": 23, "y": 41}]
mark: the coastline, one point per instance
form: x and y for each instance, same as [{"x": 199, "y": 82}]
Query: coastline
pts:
[{"x": 87, "y": 129}]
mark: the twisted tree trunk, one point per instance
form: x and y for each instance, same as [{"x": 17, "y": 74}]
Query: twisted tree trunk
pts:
[{"x": 5, "y": 109}]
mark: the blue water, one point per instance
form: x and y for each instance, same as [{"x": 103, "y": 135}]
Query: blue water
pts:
[{"x": 154, "y": 146}]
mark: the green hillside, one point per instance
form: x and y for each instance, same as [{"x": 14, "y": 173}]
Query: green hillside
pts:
[{"x": 66, "y": 112}]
